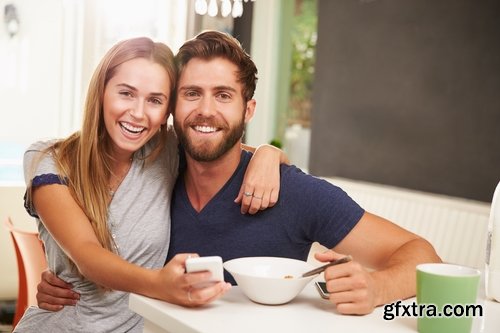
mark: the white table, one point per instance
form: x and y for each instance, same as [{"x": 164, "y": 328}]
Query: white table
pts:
[{"x": 234, "y": 312}]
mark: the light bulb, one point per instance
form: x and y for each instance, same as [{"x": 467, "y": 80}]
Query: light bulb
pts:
[
  {"x": 200, "y": 7},
  {"x": 212, "y": 8},
  {"x": 13, "y": 27},
  {"x": 225, "y": 8},
  {"x": 237, "y": 8}
]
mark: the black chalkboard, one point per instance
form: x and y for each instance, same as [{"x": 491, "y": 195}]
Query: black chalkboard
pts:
[{"x": 407, "y": 93}]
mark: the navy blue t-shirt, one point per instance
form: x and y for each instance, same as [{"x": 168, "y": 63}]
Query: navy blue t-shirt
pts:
[{"x": 309, "y": 209}]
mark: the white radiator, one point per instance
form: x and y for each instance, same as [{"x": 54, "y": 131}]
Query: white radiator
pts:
[{"x": 456, "y": 227}]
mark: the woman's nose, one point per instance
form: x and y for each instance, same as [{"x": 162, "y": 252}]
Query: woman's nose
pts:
[{"x": 137, "y": 110}]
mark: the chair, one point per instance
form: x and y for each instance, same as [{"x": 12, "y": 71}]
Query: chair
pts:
[{"x": 31, "y": 262}]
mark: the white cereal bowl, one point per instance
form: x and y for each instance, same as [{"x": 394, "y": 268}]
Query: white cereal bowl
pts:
[{"x": 266, "y": 280}]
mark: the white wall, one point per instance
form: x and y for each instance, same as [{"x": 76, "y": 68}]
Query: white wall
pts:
[{"x": 30, "y": 71}]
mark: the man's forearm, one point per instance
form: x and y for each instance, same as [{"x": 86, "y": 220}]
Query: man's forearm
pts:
[{"x": 397, "y": 279}]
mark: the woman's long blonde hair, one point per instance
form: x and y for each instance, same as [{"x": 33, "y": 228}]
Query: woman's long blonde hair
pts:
[{"x": 84, "y": 157}]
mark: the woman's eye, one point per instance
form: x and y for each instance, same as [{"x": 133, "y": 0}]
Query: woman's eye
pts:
[
  {"x": 156, "y": 101},
  {"x": 125, "y": 93}
]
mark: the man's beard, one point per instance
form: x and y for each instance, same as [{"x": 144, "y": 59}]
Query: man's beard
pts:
[{"x": 208, "y": 151}]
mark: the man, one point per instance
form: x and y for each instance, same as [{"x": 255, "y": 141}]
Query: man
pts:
[{"x": 215, "y": 88}]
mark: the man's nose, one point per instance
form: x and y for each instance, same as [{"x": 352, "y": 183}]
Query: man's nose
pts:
[{"x": 207, "y": 106}]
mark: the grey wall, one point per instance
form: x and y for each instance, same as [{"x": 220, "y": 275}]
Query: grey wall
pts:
[{"x": 407, "y": 93}]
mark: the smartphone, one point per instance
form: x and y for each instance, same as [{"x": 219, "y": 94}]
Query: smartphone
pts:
[
  {"x": 323, "y": 292},
  {"x": 213, "y": 264}
]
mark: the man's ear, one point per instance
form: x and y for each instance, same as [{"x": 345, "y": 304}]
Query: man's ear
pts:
[{"x": 250, "y": 110}]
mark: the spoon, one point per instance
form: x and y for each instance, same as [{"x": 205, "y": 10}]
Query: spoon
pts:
[{"x": 331, "y": 263}]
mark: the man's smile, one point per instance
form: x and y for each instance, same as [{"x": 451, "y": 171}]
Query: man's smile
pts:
[{"x": 205, "y": 129}]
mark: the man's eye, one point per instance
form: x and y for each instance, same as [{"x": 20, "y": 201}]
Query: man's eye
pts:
[
  {"x": 191, "y": 94},
  {"x": 224, "y": 97}
]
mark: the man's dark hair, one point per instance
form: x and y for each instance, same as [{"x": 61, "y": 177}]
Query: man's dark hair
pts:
[{"x": 213, "y": 44}]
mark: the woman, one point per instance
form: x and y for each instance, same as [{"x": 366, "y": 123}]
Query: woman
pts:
[{"x": 118, "y": 171}]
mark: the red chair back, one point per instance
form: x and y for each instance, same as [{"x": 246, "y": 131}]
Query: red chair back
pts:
[{"x": 31, "y": 262}]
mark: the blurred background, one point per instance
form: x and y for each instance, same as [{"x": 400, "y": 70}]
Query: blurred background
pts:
[
  {"x": 396, "y": 92},
  {"x": 49, "y": 49}
]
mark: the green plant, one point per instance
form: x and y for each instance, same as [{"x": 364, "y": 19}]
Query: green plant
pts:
[
  {"x": 304, "y": 36},
  {"x": 277, "y": 143}
]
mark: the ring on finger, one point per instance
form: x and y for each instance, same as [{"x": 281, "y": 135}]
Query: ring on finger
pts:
[
  {"x": 189, "y": 296},
  {"x": 247, "y": 194}
]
